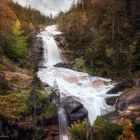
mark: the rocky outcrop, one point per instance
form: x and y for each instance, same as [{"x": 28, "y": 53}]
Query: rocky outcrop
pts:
[
  {"x": 64, "y": 65},
  {"x": 74, "y": 109},
  {"x": 111, "y": 100},
  {"x": 121, "y": 86},
  {"x": 63, "y": 45},
  {"x": 37, "y": 52},
  {"x": 129, "y": 103}
]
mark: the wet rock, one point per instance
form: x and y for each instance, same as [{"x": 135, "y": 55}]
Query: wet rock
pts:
[
  {"x": 41, "y": 66},
  {"x": 121, "y": 86},
  {"x": 61, "y": 41},
  {"x": 64, "y": 65},
  {"x": 128, "y": 103},
  {"x": 111, "y": 100},
  {"x": 63, "y": 45},
  {"x": 74, "y": 109}
]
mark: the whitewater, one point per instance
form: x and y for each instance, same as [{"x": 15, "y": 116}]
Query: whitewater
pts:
[{"x": 88, "y": 90}]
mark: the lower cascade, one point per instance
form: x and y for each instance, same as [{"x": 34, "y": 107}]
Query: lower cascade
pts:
[
  {"x": 63, "y": 124},
  {"x": 89, "y": 91}
]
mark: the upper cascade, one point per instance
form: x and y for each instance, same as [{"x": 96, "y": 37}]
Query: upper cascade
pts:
[
  {"x": 50, "y": 47},
  {"x": 49, "y": 7}
]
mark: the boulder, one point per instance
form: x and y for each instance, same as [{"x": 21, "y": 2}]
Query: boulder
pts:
[
  {"x": 63, "y": 45},
  {"x": 128, "y": 103},
  {"x": 121, "y": 86},
  {"x": 111, "y": 100},
  {"x": 64, "y": 65},
  {"x": 61, "y": 41},
  {"x": 74, "y": 109}
]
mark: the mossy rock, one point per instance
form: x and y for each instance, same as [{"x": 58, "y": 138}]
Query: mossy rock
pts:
[{"x": 108, "y": 130}]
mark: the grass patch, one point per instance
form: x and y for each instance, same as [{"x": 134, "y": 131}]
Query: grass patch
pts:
[{"x": 11, "y": 106}]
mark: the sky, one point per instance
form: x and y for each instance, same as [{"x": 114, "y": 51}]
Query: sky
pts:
[{"x": 48, "y": 7}]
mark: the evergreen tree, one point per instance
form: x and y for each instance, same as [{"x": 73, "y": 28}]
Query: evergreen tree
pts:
[{"x": 18, "y": 42}]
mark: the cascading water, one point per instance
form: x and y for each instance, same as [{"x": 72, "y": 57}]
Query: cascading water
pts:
[
  {"x": 51, "y": 51},
  {"x": 63, "y": 124},
  {"x": 88, "y": 90}
]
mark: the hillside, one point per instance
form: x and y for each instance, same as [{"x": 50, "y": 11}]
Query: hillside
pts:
[
  {"x": 19, "y": 50},
  {"x": 106, "y": 36}
]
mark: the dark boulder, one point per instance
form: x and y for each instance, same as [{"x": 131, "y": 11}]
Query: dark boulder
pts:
[
  {"x": 51, "y": 120},
  {"x": 75, "y": 110},
  {"x": 111, "y": 100},
  {"x": 121, "y": 86},
  {"x": 64, "y": 65}
]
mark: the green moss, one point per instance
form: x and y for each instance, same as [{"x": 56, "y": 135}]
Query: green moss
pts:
[
  {"x": 11, "y": 106},
  {"x": 110, "y": 131},
  {"x": 49, "y": 110},
  {"x": 80, "y": 65}
]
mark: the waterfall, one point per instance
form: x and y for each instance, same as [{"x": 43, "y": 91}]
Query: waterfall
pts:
[
  {"x": 88, "y": 90},
  {"x": 50, "y": 47},
  {"x": 63, "y": 124}
]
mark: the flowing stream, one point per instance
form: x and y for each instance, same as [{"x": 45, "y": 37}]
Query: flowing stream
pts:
[
  {"x": 88, "y": 90},
  {"x": 63, "y": 124}
]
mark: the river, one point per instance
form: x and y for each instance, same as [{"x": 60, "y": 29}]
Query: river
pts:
[{"x": 88, "y": 90}]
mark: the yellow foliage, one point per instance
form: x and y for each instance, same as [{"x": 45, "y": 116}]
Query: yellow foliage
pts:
[
  {"x": 127, "y": 133},
  {"x": 78, "y": 130}
]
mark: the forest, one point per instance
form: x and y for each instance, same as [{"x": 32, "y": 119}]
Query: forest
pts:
[{"x": 106, "y": 35}]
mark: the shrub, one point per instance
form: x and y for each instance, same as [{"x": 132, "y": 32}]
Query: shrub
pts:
[
  {"x": 39, "y": 133},
  {"x": 127, "y": 133},
  {"x": 110, "y": 131},
  {"x": 3, "y": 84},
  {"x": 18, "y": 42},
  {"x": 78, "y": 130},
  {"x": 13, "y": 105}
]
